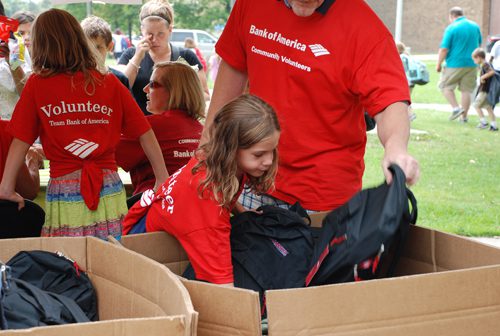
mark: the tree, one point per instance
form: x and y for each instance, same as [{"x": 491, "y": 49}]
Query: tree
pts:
[
  {"x": 201, "y": 14},
  {"x": 12, "y": 6},
  {"x": 195, "y": 14}
]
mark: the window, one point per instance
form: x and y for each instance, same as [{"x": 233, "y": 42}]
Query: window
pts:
[
  {"x": 180, "y": 36},
  {"x": 205, "y": 38}
]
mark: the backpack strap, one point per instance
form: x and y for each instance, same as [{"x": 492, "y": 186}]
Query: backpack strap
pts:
[
  {"x": 409, "y": 218},
  {"x": 46, "y": 308},
  {"x": 4, "y": 284},
  {"x": 299, "y": 210},
  {"x": 175, "y": 52}
]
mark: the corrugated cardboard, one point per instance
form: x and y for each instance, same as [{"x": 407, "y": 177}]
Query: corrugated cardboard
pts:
[
  {"x": 222, "y": 310},
  {"x": 134, "y": 293},
  {"x": 448, "y": 285}
]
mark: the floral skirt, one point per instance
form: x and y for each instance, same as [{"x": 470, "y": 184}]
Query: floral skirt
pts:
[{"x": 67, "y": 214}]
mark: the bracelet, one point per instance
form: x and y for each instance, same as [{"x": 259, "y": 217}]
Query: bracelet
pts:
[{"x": 135, "y": 65}]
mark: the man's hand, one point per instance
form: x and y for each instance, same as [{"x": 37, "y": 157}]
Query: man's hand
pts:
[
  {"x": 406, "y": 162},
  {"x": 393, "y": 129}
]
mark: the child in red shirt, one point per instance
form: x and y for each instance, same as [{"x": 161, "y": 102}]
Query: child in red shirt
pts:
[
  {"x": 79, "y": 112},
  {"x": 175, "y": 99},
  {"x": 194, "y": 204}
]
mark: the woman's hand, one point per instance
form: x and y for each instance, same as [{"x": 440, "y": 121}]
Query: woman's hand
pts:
[
  {"x": 142, "y": 48},
  {"x": 13, "y": 197}
]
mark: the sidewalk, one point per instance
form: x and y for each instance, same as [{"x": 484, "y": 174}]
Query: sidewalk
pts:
[
  {"x": 494, "y": 241},
  {"x": 446, "y": 108}
]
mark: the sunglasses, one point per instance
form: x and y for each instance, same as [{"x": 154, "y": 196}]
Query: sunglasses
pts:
[{"x": 154, "y": 85}]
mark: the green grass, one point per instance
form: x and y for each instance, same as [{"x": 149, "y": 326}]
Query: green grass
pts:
[{"x": 458, "y": 191}]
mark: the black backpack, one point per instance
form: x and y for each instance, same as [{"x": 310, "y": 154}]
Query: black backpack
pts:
[
  {"x": 270, "y": 250},
  {"x": 45, "y": 288},
  {"x": 355, "y": 236}
]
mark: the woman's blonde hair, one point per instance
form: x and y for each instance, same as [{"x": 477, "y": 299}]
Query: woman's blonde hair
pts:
[
  {"x": 59, "y": 45},
  {"x": 161, "y": 8},
  {"x": 184, "y": 87},
  {"x": 240, "y": 124}
]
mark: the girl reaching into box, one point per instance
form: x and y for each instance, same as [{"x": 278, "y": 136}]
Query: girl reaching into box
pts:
[{"x": 194, "y": 204}]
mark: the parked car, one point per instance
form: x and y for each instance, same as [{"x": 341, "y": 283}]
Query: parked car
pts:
[
  {"x": 491, "y": 41},
  {"x": 204, "y": 40}
]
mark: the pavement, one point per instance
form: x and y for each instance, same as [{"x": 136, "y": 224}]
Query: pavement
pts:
[
  {"x": 447, "y": 108},
  {"x": 494, "y": 241}
]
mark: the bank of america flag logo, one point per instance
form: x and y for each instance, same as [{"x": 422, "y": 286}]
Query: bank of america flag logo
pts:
[
  {"x": 81, "y": 148},
  {"x": 318, "y": 50}
]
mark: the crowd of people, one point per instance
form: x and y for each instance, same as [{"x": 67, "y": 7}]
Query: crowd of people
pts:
[{"x": 251, "y": 148}]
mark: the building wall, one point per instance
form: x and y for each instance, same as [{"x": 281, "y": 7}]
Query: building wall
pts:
[
  {"x": 424, "y": 21},
  {"x": 494, "y": 17}
]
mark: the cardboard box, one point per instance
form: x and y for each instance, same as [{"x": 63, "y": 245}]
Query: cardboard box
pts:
[
  {"x": 135, "y": 294},
  {"x": 447, "y": 285},
  {"x": 222, "y": 310}
]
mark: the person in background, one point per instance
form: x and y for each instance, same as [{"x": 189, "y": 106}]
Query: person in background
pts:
[
  {"x": 190, "y": 44},
  {"x": 495, "y": 56},
  {"x": 405, "y": 58},
  {"x": 320, "y": 64},
  {"x": 28, "y": 178},
  {"x": 195, "y": 203},
  {"x": 175, "y": 99},
  {"x": 79, "y": 111},
  {"x": 486, "y": 72},
  {"x": 157, "y": 18},
  {"x": 119, "y": 43},
  {"x": 25, "y": 20},
  {"x": 99, "y": 32},
  {"x": 13, "y": 76},
  {"x": 460, "y": 39},
  {"x": 213, "y": 66}
]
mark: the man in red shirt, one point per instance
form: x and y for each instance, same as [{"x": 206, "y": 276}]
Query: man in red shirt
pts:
[{"x": 320, "y": 64}]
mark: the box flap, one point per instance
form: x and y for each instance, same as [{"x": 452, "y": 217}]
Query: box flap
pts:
[
  {"x": 131, "y": 283},
  {"x": 74, "y": 248},
  {"x": 224, "y": 310},
  {"x": 386, "y": 303},
  {"x": 159, "y": 246},
  {"x": 430, "y": 251},
  {"x": 158, "y": 326}
]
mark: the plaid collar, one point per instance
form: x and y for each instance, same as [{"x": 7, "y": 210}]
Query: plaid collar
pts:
[{"x": 322, "y": 9}]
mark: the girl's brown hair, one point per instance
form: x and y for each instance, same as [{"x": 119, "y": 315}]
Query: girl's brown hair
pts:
[
  {"x": 240, "y": 124},
  {"x": 184, "y": 87},
  {"x": 59, "y": 45}
]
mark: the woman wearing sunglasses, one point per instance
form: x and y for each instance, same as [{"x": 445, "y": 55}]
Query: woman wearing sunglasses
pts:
[{"x": 175, "y": 99}]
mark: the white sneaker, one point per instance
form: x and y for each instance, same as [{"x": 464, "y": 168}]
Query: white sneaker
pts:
[{"x": 456, "y": 113}]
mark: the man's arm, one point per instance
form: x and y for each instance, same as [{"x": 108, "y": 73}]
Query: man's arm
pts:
[
  {"x": 229, "y": 84},
  {"x": 443, "y": 52},
  {"x": 393, "y": 128}
]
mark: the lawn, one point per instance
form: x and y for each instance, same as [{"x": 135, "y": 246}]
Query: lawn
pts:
[{"x": 458, "y": 191}]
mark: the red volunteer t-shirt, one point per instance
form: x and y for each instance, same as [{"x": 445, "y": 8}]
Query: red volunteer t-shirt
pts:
[
  {"x": 178, "y": 135},
  {"x": 77, "y": 130},
  {"x": 320, "y": 73},
  {"x": 200, "y": 224},
  {"x": 5, "y": 140}
]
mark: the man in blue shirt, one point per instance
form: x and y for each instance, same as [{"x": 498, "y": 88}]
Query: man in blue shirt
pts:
[{"x": 460, "y": 39}]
